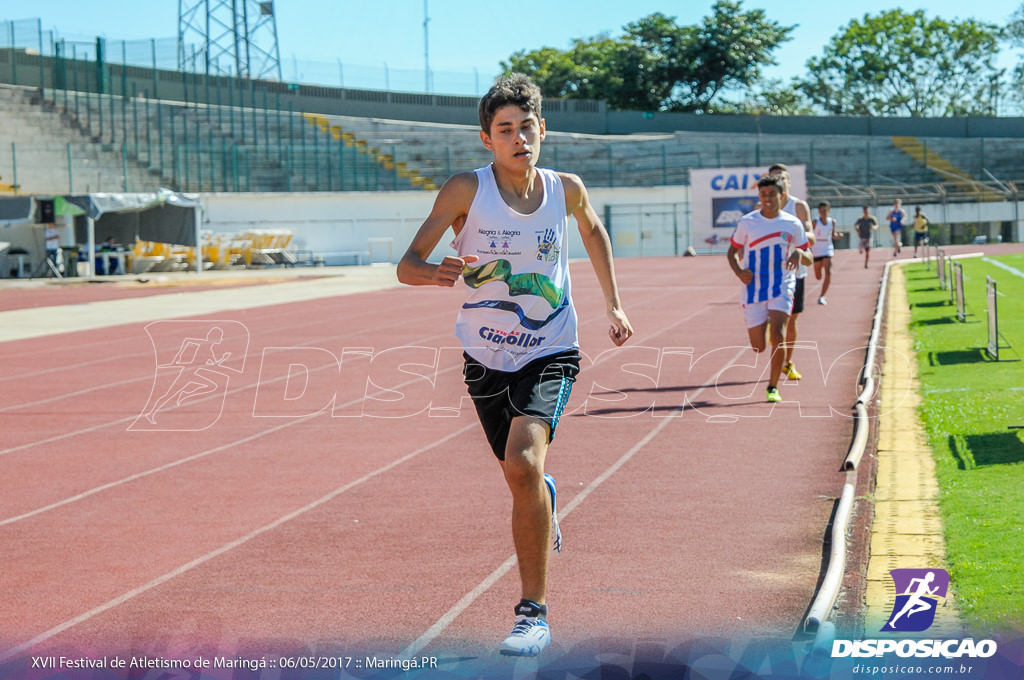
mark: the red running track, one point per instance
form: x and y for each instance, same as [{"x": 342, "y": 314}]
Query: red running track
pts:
[{"x": 354, "y": 504}]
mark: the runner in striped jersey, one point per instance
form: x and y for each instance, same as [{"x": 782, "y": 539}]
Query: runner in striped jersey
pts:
[{"x": 764, "y": 253}]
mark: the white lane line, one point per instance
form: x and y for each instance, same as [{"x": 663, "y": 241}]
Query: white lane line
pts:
[
  {"x": 160, "y": 580},
  {"x": 466, "y": 600},
  {"x": 1002, "y": 265},
  {"x": 201, "y": 454}
]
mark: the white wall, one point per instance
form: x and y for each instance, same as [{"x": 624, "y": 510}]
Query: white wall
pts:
[{"x": 345, "y": 221}]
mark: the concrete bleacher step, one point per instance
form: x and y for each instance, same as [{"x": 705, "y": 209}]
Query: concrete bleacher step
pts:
[
  {"x": 251, "y": 149},
  {"x": 916, "y": 149}
]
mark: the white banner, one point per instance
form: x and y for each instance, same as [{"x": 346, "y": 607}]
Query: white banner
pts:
[{"x": 720, "y": 197}]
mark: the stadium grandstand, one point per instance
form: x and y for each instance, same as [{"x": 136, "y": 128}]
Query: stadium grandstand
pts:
[{"x": 75, "y": 125}]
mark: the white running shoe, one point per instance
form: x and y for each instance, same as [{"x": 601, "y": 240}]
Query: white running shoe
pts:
[
  {"x": 556, "y": 533},
  {"x": 531, "y": 634},
  {"x": 822, "y": 300}
]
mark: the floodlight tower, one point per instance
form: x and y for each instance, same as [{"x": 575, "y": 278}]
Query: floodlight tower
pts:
[{"x": 229, "y": 37}]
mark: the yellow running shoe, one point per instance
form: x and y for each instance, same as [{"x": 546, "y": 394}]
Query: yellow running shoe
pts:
[
  {"x": 791, "y": 372},
  {"x": 773, "y": 394}
]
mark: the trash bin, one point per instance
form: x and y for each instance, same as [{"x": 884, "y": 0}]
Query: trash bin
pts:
[
  {"x": 20, "y": 261},
  {"x": 70, "y": 261}
]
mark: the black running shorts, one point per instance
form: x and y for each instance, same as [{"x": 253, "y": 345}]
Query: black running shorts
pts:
[
  {"x": 540, "y": 389},
  {"x": 798, "y": 297}
]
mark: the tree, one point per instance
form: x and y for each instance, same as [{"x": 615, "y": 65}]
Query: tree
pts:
[
  {"x": 727, "y": 51},
  {"x": 900, "y": 64},
  {"x": 658, "y": 65}
]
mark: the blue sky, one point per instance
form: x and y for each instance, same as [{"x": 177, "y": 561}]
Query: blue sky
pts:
[{"x": 350, "y": 39}]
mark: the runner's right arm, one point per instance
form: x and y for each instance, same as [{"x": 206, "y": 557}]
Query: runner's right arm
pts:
[{"x": 450, "y": 209}]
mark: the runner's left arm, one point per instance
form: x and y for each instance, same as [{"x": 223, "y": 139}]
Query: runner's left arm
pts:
[{"x": 599, "y": 249}]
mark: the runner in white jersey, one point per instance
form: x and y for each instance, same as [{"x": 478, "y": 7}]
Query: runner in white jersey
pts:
[
  {"x": 823, "y": 249},
  {"x": 798, "y": 207},
  {"x": 513, "y": 315},
  {"x": 518, "y": 325},
  {"x": 764, "y": 252}
]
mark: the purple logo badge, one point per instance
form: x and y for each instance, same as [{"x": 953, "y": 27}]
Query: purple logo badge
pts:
[{"x": 918, "y": 592}]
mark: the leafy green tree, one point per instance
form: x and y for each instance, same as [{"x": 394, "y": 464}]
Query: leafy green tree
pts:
[
  {"x": 728, "y": 51},
  {"x": 904, "y": 64},
  {"x": 658, "y": 65}
]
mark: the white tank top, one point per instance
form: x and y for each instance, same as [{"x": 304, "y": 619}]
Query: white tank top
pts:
[
  {"x": 518, "y": 295},
  {"x": 790, "y": 207},
  {"x": 823, "y": 246}
]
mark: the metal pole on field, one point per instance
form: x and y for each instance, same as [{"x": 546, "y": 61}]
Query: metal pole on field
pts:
[
  {"x": 316, "y": 158},
  {"x": 42, "y": 72},
  {"x": 675, "y": 231},
  {"x": 74, "y": 61},
  {"x": 113, "y": 118},
  {"x": 14, "y": 58},
  {"x": 197, "y": 216},
  {"x": 160, "y": 135},
  {"x": 135, "y": 117},
  {"x": 266, "y": 121},
  {"x": 426, "y": 48},
  {"x": 149, "y": 123},
  {"x": 14, "y": 163},
  {"x": 90, "y": 247},
  {"x": 152, "y": 48},
  {"x": 252, "y": 101}
]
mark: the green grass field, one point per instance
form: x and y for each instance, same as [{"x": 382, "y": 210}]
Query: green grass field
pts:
[{"x": 968, "y": 402}]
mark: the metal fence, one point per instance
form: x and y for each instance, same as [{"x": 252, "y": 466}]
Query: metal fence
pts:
[
  {"x": 162, "y": 54},
  {"x": 132, "y": 122}
]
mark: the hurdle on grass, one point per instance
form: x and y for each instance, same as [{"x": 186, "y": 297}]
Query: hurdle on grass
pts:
[
  {"x": 949, "y": 278},
  {"x": 940, "y": 269},
  {"x": 993, "y": 319},
  {"x": 958, "y": 287},
  {"x": 994, "y": 335}
]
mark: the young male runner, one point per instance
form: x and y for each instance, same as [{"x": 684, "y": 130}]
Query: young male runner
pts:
[
  {"x": 920, "y": 229},
  {"x": 518, "y": 324},
  {"x": 823, "y": 248},
  {"x": 764, "y": 252},
  {"x": 797, "y": 207},
  {"x": 896, "y": 217},
  {"x": 866, "y": 226}
]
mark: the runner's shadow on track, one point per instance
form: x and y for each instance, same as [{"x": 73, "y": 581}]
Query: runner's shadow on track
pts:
[
  {"x": 668, "y": 408},
  {"x": 678, "y": 388}
]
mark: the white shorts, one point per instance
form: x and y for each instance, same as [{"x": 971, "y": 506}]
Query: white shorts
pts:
[{"x": 757, "y": 313}]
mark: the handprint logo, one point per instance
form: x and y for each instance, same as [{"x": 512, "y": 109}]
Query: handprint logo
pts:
[{"x": 547, "y": 245}]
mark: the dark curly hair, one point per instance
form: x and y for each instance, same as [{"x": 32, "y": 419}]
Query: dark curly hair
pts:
[{"x": 515, "y": 88}]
